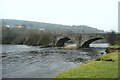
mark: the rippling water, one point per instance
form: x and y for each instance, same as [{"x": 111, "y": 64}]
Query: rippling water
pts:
[{"x": 21, "y": 61}]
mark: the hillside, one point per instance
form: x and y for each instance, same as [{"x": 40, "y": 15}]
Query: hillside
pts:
[{"x": 57, "y": 28}]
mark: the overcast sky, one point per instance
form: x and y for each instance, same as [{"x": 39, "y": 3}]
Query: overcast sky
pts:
[{"x": 101, "y": 14}]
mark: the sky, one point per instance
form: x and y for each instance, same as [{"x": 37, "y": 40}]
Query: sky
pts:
[{"x": 100, "y": 14}]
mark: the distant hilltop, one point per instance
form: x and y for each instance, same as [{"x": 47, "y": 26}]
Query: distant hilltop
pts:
[{"x": 55, "y": 28}]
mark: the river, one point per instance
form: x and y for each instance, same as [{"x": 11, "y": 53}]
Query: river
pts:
[{"x": 22, "y": 61}]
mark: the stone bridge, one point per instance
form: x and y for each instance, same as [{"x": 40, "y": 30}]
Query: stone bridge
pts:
[{"x": 82, "y": 40}]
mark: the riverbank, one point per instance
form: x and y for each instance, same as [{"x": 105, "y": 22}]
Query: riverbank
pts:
[
  {"x": 113, "y": 48},
  {"x": 103, "y": 67}
]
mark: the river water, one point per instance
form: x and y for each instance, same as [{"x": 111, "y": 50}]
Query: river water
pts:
[{"x": 22, "y": 61}]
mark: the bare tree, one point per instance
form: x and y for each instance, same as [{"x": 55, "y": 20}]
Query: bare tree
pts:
[{"x": 111, "y": 37}]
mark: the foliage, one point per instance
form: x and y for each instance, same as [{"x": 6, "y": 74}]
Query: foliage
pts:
[
  {"x": 113, "y": 38},
  {"x": 26, "y": 36}
]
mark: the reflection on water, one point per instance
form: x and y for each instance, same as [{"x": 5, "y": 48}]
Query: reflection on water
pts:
[{"x": 21, "y": 61}]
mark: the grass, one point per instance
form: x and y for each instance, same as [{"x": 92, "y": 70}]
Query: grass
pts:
[
  {"x": 115, "y": 46},
  {"x": 102, "y": 67}
]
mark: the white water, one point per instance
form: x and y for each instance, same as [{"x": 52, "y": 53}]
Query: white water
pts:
[{"x": 104, "y": 45}]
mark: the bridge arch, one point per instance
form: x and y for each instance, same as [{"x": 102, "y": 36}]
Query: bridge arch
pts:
[
  {"x": 61, "y": 42},
  {"x": 86, "y": 44}
]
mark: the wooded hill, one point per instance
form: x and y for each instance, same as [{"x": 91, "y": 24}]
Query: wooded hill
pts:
[{"x": 55, "y": 28}]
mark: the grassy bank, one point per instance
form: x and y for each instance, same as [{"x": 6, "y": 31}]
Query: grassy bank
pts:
[{"x": 102, "y": 67}]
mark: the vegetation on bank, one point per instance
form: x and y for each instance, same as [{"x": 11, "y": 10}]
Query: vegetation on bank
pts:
[
  {"x": 103, "y": 67},
  {"x": 113, "y": 38},
  {"x": 115, "y": 46},
  {"x": 26, "y": 36}
]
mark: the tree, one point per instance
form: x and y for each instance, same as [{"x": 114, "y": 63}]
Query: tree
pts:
[{"x": 111, "y": 37}]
